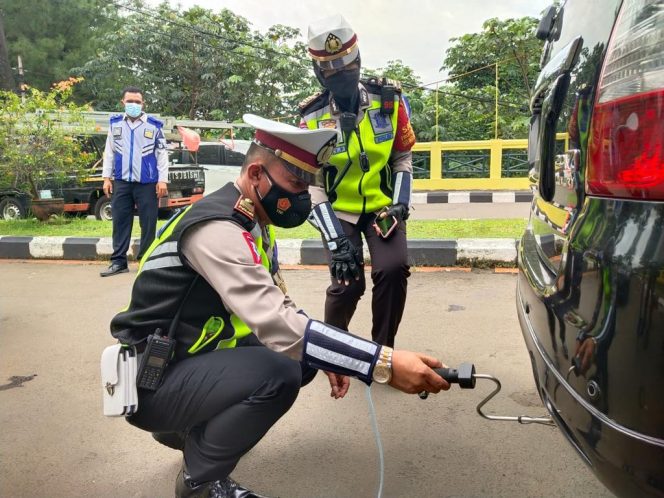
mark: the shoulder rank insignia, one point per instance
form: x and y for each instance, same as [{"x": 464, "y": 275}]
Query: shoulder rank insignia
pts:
[
  {"x": 364, "y": 97},
  {"x": 309, "y": 100},
  {"x": 245, "y": 206}
]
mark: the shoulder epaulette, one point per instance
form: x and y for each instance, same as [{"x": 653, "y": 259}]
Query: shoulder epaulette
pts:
[
  {"x": 115, "y": 118},
  {"x": 379, "y": 82},
  {"x": 311, "y": 100},
  {"x": 155, "y": 122}
]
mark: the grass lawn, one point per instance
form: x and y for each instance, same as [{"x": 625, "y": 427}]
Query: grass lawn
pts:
[{"x": 417, "y": 229}]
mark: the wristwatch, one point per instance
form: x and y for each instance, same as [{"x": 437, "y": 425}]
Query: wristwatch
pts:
[{"x": 382, "y": 372}]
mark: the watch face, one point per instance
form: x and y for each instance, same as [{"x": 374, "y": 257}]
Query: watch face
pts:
[{"x": 381, "y": 374}]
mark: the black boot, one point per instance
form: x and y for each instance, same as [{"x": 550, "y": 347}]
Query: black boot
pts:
[
  {"x": 186, "y": 488},
  {"x": 228, "y": 488}
]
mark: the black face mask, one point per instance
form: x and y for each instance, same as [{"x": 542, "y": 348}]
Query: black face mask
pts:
[
  {"x": 343, "y": 84},
  {"x": 285, "y": 209}
]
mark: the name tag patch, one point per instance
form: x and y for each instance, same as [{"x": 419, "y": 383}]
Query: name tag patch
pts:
[
  {"x": 327, "y": 123},
  {"x": 383, "y": 138},
  {"x": 117, "y": 131},
  {"x": 148, "y": 133}
]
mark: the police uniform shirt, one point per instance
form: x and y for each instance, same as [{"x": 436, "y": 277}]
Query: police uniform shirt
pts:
[
  {"x": 161, "y": 153},
  {"x": 234, "y": 270}
]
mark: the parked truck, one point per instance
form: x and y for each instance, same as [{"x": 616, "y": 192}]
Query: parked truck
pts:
[
  {"x": 186, "y": 186},
  {"x": 186, "y": 177}
]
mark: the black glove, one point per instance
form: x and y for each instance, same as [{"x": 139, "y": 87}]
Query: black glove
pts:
[
  {"x": 345, "y": 261},
  {"x": 399, "y": 211}
]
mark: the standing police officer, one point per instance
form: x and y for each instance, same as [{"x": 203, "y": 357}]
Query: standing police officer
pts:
[
  {"x": 212, "y": 278},
  {"x": 135, "y": 171},
  {"x": 368, "y": 179}
]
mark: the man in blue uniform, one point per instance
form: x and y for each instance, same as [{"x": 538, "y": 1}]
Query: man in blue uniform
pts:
[{"x": 135, "y": 173}]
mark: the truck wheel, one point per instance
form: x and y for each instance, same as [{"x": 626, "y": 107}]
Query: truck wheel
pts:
[
  {"x": 11, "y": 209},
  {"x": 103, "y": 209}
]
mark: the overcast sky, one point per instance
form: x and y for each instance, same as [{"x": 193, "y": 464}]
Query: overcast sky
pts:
[{"x": 415, "y": 31}]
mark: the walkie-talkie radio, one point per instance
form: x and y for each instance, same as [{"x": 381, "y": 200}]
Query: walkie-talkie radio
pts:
[
  {"x": 158, "y": 352},
  {"x": 387, "y": 93},
  {"x": 347, "y": 123}
]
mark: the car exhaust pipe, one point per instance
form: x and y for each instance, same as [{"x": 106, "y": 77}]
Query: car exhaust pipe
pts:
[{"x": 466, "y": 377}]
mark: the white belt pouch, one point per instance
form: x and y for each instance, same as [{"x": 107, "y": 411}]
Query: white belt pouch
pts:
[{"x": 118, "y": 380}]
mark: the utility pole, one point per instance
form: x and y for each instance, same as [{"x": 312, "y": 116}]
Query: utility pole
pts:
[
  {"x": 21, "y": 80},
  {"x": 436, "y": 112},
  {"x": 495, "y": 135},
  {"x": 6, "y": 77}
]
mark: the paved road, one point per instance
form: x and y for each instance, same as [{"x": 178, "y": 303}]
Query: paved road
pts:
[{"x": 55, "y": 442}]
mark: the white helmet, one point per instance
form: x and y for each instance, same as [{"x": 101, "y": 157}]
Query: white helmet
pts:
[
  {"x": 303, "y": 151},
  {"x": 332, "y": 42}
]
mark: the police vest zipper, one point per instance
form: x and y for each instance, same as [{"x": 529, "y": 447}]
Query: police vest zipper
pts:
[
  {"x": 359, "y": 190},
  {"x": 364, "y": 170}
]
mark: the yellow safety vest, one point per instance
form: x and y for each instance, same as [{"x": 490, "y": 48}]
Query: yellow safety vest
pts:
[
  {"x": 360, "y": 191},
  {"x": 215, "y": 324}
]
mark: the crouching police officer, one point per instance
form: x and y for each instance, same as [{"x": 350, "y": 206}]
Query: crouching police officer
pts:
[
  {"x": 212, "y": 278},
  {"x": 367, "y": 181}
]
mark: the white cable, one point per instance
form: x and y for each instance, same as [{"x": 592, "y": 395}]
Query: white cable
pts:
[{"x": 374, "y": 424}]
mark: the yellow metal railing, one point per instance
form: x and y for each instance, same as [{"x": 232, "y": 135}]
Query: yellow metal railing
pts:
[{"x": 495, "y": 181}]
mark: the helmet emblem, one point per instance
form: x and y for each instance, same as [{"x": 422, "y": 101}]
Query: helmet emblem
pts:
[
  {"x": 325, "y": 151},
  {"x": 332, "y": 44}
]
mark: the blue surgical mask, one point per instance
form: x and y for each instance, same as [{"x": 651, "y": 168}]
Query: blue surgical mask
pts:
[{"x": 133, "y": 110}]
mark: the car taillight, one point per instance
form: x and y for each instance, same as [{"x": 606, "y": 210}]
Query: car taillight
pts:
[{"x": 626, "y": 145}]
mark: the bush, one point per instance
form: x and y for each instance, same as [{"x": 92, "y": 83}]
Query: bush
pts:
[{"x": 37, "y": 138}]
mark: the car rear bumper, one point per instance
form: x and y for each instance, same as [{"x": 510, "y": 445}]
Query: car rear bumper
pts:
[
  {"x": 626, "y": 461},
  {"x": 169, "y": 203}
]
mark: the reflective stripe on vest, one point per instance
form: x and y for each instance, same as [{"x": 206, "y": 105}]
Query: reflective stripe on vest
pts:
[
  {"x": 163, "y": 253},
  {"x": 361, "y": 192}
]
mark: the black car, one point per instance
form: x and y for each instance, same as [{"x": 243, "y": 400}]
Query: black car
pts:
[{"x": 590, "y": 292}]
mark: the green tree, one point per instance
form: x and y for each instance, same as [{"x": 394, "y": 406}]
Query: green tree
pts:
[
  {"x": 411, "y": 84},
  {"x": 397, "y": 70},
  {"x": 53, "y": 36},
  {"x": 462, "y": 115},
  {"x": 471, "y": 63},
  {"x": 38, "y": 138},
  {"x": 200, "y": 64},
  {"x": 510, "y": 43}
]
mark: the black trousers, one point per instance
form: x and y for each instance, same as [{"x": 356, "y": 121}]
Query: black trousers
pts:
[
  {"x": 125, "y": 196},
  {"x": 224, "y": 401},
  {"x": 389, "y": 273}
]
